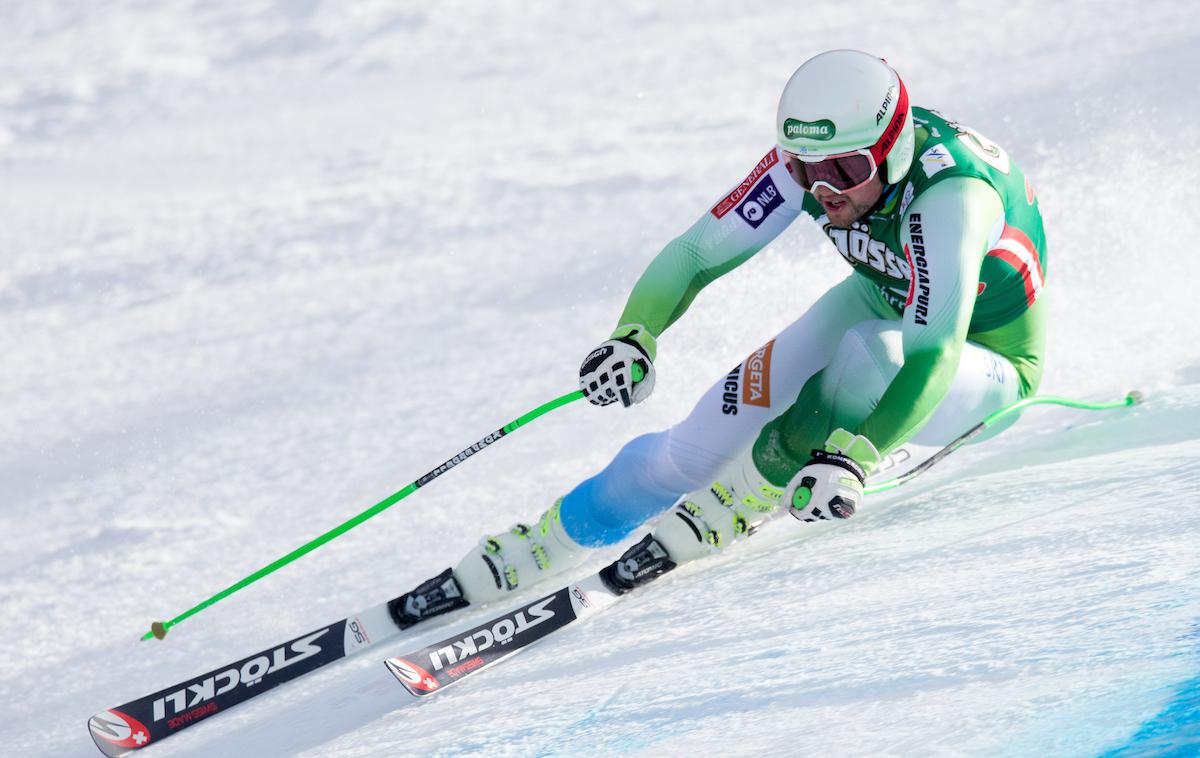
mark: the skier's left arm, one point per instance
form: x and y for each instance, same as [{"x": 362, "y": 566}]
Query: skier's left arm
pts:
[{"x": 945, "y": 237}]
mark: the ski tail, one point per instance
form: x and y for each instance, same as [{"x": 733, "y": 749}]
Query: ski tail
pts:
[{"x": 147, "y": 720}]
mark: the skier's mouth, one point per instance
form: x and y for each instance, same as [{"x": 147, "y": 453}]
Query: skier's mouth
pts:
[{"x": 835, "y": 203}]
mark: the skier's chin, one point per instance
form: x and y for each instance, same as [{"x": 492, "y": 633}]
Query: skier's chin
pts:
[
  {"x": 842, "y": 212},
  {"x": 844, "y": 208}
]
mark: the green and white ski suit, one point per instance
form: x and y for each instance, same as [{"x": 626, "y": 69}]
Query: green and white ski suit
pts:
[{"x": 940, "y": 323}]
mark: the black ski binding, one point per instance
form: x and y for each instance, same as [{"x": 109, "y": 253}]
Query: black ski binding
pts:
[
  {"x": 436, "y": 596},
  {"x": 640, "y": 564}
]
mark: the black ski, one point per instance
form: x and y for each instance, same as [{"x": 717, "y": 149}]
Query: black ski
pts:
[
  {"x": 152, "y": 718},
  {"x": 468, "y": 652}
]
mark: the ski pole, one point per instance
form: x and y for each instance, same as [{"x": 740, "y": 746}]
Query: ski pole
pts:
[
  {"x": 158, "y": 629},
  {"x": 1132, "y": 398}
]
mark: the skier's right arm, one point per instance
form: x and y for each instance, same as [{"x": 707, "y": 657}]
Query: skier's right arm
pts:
[{"x": 741, "y": 223}]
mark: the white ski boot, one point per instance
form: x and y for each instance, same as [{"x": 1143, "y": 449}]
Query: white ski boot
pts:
[
  {"x": 705, "y": 522},
  {"x": 518, "y": 558},
  {"x": 711, "y": 519}
]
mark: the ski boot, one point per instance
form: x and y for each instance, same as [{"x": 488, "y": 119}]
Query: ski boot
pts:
[
  {"x": 518, "y": 558},
  {"x": 729, "y": 510},
  {"x": 705, "y": 522}
]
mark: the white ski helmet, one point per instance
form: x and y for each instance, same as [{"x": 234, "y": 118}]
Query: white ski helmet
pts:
[{"x": 844, "y": 101}]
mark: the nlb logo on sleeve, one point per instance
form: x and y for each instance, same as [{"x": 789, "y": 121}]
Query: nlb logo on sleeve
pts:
[{"x": 759, "y": 202}]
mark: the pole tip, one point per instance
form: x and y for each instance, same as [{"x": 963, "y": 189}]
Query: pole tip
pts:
[
  {"x": 1134, "y": 397},
  {"x": 158, "y": 629}
]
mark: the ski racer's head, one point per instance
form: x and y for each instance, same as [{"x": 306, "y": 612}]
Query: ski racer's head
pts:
[{"x": 846, "y": 130}]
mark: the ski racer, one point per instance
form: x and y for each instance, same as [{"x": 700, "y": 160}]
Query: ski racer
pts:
[{"x": 940, "y": 322}]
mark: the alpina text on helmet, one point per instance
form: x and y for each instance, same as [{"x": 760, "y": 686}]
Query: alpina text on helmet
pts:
[{"x": 887, "y": 100}]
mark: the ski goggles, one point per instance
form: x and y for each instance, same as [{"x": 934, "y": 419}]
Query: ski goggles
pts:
[
  {"x": 841, "y": 173},
  {"x": 848, "y": 171}
]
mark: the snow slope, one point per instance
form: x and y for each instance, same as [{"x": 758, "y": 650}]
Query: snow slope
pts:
[{"x": 262, "y": 264}]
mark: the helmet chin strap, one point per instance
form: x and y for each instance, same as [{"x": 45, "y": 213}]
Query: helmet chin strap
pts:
[{"x": 888, "y": 191}]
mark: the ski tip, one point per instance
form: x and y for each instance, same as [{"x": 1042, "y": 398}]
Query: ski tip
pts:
[
  {"x": 158, "y": 630},
  {"x": 1134, "y": 397}
]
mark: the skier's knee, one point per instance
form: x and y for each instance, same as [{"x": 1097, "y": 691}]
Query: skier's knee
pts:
[{"x": 868, "y": 357}]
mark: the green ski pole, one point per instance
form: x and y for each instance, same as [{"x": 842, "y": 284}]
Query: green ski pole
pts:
[
  {"x": 158, "y": 630},
  {"x": 1132, "y": 398}
]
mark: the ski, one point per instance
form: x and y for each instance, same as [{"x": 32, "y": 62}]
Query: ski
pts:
[
  {"x": 151, "y": 719},
  {"x": 437, "y": 666}
]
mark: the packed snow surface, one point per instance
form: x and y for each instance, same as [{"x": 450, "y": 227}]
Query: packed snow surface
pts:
[{"x": 264, "y": 263}]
